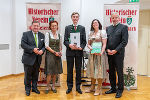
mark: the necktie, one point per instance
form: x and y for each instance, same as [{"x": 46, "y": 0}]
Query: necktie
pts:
[
  {"x": 75, "y": 27},
  {"x": 35, "y": 39}
]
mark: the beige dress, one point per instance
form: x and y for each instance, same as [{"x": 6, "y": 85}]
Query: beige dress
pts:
[{"x": 97, "y": 65}]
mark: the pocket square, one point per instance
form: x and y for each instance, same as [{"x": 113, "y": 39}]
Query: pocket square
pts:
[{"x": 42, "y": 39}]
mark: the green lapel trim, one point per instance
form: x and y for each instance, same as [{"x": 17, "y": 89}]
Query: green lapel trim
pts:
[{"x": 73, "y": 30}]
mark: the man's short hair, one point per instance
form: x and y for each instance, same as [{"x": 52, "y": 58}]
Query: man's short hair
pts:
[
  {"x": 115, "y": 13},
  {"x": 74, "y": 13},
  {"x": 34, "y": 21}
]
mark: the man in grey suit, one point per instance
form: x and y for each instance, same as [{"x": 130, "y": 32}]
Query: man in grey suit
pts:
[
  {"x": 74, "y": 53},
  {"x": 117, "y": 40},
  {"x": 33, "y": 44}
]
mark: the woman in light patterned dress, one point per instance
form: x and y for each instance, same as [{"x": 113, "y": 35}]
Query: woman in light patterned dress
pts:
[{"x": 95, "y": 66}]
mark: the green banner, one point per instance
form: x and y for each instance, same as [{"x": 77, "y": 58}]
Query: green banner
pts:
[{"x": 133, "y": 1}]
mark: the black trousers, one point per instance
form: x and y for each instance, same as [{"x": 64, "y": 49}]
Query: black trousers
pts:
[
  {"x": 116, "y": 65},
  {"x": 70, "y": 64},
  {"x": 31, "y": 75}
]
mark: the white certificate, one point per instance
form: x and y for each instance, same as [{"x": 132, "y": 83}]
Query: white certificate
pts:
[{"x": 75, "y": 38}]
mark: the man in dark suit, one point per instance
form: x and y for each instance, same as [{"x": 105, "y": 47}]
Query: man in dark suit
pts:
[
  {"x": 33, "y": 44},
  {"x": 74, "y": 53},
  {"x": 117, "y": 40}
]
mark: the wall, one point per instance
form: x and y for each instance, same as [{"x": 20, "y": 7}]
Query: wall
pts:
[
  {"x": 5, "y": 37},
  {"x": 144, "y": 43}
]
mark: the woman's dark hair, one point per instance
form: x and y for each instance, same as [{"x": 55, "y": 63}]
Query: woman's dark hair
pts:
[
  {"x": 50, "y": 23},
  {"x": 100, "y": 25}
]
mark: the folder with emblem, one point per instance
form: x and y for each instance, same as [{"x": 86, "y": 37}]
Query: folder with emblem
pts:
[{"x": 75, "y": 38}]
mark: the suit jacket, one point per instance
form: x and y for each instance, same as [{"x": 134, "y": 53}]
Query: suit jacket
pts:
[
  {"x": 28, "y": 44},
  {"x": 117, "y": 38},
  {"x": 68, "y": 30}
]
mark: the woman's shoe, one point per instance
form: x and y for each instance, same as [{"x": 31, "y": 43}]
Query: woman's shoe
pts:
[
  {"x": 47, "y": 91},
  {"x": 91, "y": 89},
  {"x": 98, "y": 92},
  {"x": 54, "y": 90}
]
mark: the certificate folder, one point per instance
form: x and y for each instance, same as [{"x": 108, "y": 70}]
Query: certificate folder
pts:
[
  {"x": 96, "y": 47},
  {"x": 75, "y": 38}
]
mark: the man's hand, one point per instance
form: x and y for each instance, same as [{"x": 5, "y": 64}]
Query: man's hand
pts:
[
  {"x": 111, "y": 52},
  {"x": 79, "y": 48},
  {"x": 40, "y": 52},
  {"x": 36, "y": 50},
  {"x": 72, "y": 46},
  {"x": 114, "y": 52},
  {"x": 75, "y": 47}
]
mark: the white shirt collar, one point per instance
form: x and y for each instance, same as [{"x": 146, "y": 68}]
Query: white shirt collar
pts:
[
  {"x": 116, "y": 24},
  {"x": 34, "y": 32},
  {"x": 51, "y": 34},
  {"x": 97, "y": 31},
  {"x": 74, "y": 25}
]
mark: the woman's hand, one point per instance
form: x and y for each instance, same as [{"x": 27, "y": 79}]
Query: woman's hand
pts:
[
  {"x": 98, "y": 54},
  {"x": 89, "y": 46},
  {"x": 56, "y": 53},
  {"x": 60, "y": 54}
]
